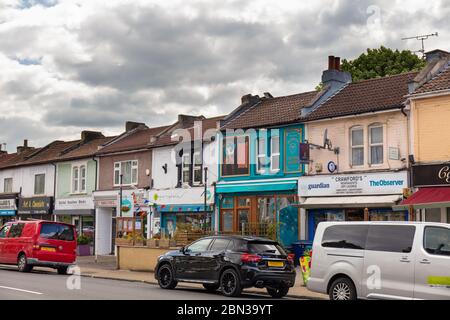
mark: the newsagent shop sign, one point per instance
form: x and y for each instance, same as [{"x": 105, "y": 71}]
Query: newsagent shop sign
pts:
[{"x": 353, "y": 184}]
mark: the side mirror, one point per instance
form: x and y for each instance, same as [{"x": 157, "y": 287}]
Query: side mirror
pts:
[{"x": 182, "y": 250}]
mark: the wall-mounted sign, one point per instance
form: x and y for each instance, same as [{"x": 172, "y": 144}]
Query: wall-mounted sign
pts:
[
  {"x": 394, "y": 153},
  {"x": 8, "y": 207},
  {"x": 292, "y": 141},
  {"x": 332, "y": 167},
  {"x": 37, "y": 205},
  {"x": 431, "y": 175},
  {"x": 387, "y": 183},
  {"x": 181, "y": 196},
  {"x": 82, "y": 203},
  {"x": 304, "y": 153}
]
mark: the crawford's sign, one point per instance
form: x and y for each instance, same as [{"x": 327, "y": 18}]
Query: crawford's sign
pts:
[
  {"x": 431, "y": 175},
  {"x": 353, "y": 184},
  {"x": 38, "y": 205}
]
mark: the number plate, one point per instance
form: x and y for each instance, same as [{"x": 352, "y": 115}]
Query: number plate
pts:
[
  {"x": 48, "y": 249},
  {"x": 278, "y": 264}
]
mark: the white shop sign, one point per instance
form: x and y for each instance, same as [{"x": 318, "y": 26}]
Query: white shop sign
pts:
[
  {"x": 181, "y": 196},
  {"x": 85, "y": 203},
  {"x": 353, "y": 184},
  {"x": 8, "y": 204}
]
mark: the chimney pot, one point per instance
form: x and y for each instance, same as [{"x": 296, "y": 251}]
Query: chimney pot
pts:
[
  {"x": 25, "y": 143},
  {"x": 337, "y": 63},
  {"x": 331, "y": 62}
]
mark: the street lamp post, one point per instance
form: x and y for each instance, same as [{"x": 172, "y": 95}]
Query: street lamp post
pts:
[
  {"x": 205, "y": 196},
  {"x": 120, "y": 195}
]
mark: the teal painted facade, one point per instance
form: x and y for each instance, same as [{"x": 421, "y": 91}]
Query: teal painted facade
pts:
[{"x": 280, "y": 188}]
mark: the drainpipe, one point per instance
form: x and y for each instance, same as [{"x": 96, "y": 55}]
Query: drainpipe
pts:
[
  {"x": 54, "y": 190},
  {"x": 95, "y": 189}
]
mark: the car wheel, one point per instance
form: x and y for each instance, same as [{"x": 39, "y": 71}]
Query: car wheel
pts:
[
  {"x": 279, "y": 292},
  {"x": 342, "y": 289},
  {"x": 210, "y": 287},
  {"x": 23, "y": 265},
  {"x": 165, "y": 277},
  {"x": 230, "y": 283},
  {"x": 62, "y": 270}
]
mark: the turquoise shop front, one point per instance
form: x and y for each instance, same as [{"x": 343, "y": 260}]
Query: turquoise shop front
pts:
[
  {"x": 194, "y": 214},
  {"x": 254, "y": 207}
]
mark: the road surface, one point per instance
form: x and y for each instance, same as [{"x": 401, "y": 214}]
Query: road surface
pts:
[{"x": 45, "y": 285}]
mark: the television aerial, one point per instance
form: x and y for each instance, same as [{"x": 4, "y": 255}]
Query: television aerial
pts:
[{"x": 422, "y": 38}]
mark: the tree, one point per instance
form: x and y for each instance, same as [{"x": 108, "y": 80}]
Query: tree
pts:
[{"x": 382, "y": 62}]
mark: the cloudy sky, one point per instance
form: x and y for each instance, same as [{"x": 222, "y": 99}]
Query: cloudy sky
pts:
[{"x": 72, "y": 65}]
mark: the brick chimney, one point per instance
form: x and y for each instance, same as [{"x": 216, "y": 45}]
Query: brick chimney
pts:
[
  {"x": 187, "y": 121},
  {"x": 333, "y": 80},
  {"x": 130, "y": 125},
  {"x": 87, "y": 136},
  {"x": 23, "y": 148}
]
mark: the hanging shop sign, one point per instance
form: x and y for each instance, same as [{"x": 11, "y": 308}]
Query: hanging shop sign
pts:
[
  {"x": 37, "y": 205},
  {"x": 353, "y": 184},
  {"x": 431, "y": 175},
  {"x": 8, "y": 207}
]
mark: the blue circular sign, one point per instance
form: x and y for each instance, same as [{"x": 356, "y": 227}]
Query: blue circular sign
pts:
[{"x": 332, "y": 167}]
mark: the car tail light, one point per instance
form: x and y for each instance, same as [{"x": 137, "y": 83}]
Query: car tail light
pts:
[
  {"x": 291, "y": 258},
  {"x": 250, "y": 258},
  {"x": 310, "y": 260},
  {"x": 36, "y": 247}
]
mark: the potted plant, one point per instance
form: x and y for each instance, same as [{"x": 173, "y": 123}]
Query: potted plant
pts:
[
  {"x": 125, "y": 240},
  {"x": 139, "y": 240},
  {"x": 83, "y": 246},
  {"x": 154, "y": 242}
]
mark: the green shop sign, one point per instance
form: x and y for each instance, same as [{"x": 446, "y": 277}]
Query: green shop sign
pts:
[{"x": 292, "y": 141}]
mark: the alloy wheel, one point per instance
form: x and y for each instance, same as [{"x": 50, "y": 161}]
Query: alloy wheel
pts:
[
  {"x": 341, "y": 292},
  {"x": 165, "y": 276},
  {"x": 228, "y": 283}
]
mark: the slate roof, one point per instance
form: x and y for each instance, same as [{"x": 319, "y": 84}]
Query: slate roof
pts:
[
  {"x": 365, "y": 96},
  {"x": 272, "y": 111},
  {"x": 438, "y": 83},
  {"x": 137, "y": 139}
]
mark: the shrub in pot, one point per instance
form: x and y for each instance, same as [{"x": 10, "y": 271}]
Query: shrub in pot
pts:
[{"x": 83, "y": 246}]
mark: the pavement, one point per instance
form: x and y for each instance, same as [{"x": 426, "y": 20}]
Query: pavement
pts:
[{"x": 105, "y": 268}]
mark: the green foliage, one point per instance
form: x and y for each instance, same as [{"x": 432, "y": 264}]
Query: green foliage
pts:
[
  {"x": 83, "y": 240},
  {"x": 382, "y": 62}
]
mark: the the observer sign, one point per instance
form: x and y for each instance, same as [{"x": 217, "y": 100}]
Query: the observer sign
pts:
[{"x": 431, "y": 175}]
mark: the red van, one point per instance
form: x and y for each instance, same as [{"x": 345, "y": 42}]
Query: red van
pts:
[{"x": 38, "y": 243}]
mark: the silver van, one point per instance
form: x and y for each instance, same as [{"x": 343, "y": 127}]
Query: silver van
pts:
[{"x": 381, "y": 260}]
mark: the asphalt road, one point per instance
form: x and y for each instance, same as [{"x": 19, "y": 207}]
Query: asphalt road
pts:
[{"x": 48, "y": 285}]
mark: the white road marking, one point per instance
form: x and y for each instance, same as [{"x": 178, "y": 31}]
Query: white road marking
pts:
[{"x": 21, "y": 290}]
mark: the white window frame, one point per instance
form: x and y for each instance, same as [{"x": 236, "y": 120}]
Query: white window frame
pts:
[
  {"x": 75, "y": 182},
  {"x": 377, "y": 125},
  {"x": 197, "y": 166},
  {"x": 259, "y": 154},
  {"x": 356, "y": 128},
  {"x": 39, "y": 194},
  {"x": 4, "y": 185},
  {"x": 185, "y": 166},
  {"x": 276, "y": 154},
  {"x": 118, "y": 168}
]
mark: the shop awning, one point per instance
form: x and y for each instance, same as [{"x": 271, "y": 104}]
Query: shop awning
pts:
[
  {"x": 435, "y": 197},
  {"x": 350, "y": 202},
  {"x": 257, "y": 186}
]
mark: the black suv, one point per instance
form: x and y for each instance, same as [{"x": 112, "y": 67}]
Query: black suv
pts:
[{"x": 229, "y": 263}]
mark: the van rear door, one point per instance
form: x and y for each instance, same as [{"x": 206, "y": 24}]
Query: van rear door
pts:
[
  {"x": 432, "y": 279},
  {"x": 57, "y": 242}
]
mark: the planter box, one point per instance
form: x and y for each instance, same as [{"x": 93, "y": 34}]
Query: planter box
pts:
[
  {"x": 124, "y": 242},
  {"x": 153, "y": 243},
  {"x": 164, "y": 243},
  {"x": 139, "y": 243},
  {"x": 83, "y": 250}
]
